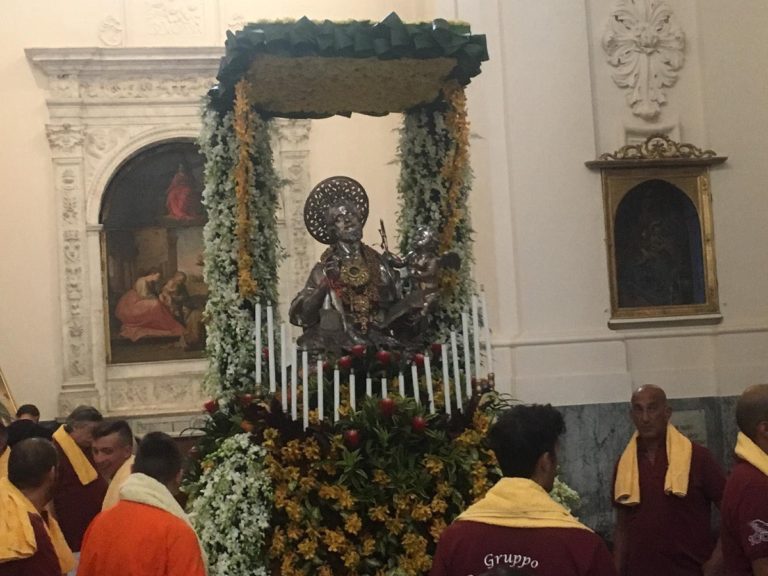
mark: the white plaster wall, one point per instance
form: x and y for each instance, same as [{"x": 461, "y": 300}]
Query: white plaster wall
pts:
[{"x": 544, "y": 104}]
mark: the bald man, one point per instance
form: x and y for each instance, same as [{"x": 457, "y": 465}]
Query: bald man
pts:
[
  {"x": 744, "y": 526},
  {"x": 664, "y": 488}
]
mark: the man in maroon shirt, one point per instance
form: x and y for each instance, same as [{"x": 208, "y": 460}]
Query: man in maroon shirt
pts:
[
  {"x": 77, "y": 498},
  {"x": 744, "y": 527},
  {"x": 667, "y": 534},
  {"x": 32, "y": 472},
  {"x": 517, "y": 525}
]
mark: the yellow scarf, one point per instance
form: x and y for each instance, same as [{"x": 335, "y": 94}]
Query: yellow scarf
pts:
[
  {"x": 17, "y": 537},
  {"x": 4, "y": 462},
  {"x": 113, "y": 492},
  {"x": 747, "y": 450},
  {"x": 85, "y": 471},
  {"x": 626, "y": 489},
  {"x": 520, "y": 503}
]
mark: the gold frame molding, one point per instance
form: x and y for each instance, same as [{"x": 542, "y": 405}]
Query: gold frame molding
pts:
[{"x": 686, "y": 168}]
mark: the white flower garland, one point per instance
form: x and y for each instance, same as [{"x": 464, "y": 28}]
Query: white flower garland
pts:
[
  {"x": 229, "y": 320},
  {"x": 232, "y": 508}
]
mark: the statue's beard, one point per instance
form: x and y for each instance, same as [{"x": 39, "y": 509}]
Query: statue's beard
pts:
[{"x": 354, "y": 235}]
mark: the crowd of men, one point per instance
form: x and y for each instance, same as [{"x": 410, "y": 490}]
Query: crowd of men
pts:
[
  {"x": 77, "y": 501},
  {"x": 664, "y": 489}
]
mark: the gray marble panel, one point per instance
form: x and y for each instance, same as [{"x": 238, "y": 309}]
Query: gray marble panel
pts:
[{"x": 598, "y": 433}]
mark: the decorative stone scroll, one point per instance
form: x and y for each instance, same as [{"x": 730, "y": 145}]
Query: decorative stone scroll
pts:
[{"x": 646, "y": 48}]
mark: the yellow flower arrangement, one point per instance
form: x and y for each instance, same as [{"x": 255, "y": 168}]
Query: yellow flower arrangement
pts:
[
  {"x": 336, "y": 508},
  {"x": 243, "y": 170},
  {"x": 353, "y": 524}
]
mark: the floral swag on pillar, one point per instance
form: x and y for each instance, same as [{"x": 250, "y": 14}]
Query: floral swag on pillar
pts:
[{"x": 353, "y": 459}]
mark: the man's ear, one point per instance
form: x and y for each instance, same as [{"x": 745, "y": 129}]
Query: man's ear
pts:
[
  {"x": 761, "y": 431},
  {"x": 546, "y": 463}
]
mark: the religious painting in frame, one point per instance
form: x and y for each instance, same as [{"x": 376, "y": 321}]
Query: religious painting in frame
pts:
[
  {"x": 659, "y": 233},
  {"x": 153, "y": 218},
  {"x": 7, "y": 405}
]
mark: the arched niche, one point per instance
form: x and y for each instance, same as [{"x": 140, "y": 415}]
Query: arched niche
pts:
[
  {"x": 107, "y": 107},
  {"x": 658, "y": 244}
]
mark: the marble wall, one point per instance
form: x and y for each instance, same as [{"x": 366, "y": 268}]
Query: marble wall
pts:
[{"x": 596, "y": 435}]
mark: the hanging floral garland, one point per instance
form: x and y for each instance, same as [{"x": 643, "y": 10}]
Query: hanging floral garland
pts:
[
  {"x": 241, "y": 197},
  {"x": 243, "y": 183}
]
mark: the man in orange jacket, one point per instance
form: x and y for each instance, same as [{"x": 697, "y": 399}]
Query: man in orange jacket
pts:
[{"x": 147, "y": 532}]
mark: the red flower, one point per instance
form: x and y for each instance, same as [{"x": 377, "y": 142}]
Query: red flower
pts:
[
  {"x": 211, "y": 406},
  {"x": 345, "y": 362},
  {"x": 418, "y": 359},
  {"x": 358, "y": 350},
  {"x": 418, "y": 424},
  {"x": 246, "y": 400},
  {"x": 352, "y": 438},
  {"x": 387, "y": 407},
  {"x": 383, "y": 356}
]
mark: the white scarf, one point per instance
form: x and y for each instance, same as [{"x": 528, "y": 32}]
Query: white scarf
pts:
[{"x": 146, "y": 490}]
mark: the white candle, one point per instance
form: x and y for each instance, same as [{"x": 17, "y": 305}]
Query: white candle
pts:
[
  {"x": 271, "y": 346},
  {"x": 401, "y": 384},
  {"x": 446, "y": 379},
  {"x": 336, "y": 395},
  {"x": 352, "y": 391},
  {"x": 476, "y": 335},
  {"x": 465, "y": 344},
  {"x": 456, "y": 379},
  {"x": 384, "y": 388},
  {"x": 368, "y": 386},
  {"x": 283, "y": 367},
  {"x": 415, "y": 378},
  {"x": 320, "y": 390},
  {"x": 487, "y": 330},
  {"x": 430, "y": 391},
  {"x": 295, "y": 382},
  {"x": 258, "y": 344},
  {"x": 305, "y": 386}
]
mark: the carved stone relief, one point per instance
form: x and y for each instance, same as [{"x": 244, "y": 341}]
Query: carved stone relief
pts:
[
  {"x": 142, "y": 87},
  {"x": 155, "y": 393},
  {"x": 64, "y": 86},
  {"x": 646, "y": 48},
  {"x": 174, "y": 17},
  {"x": 64, "y": 137},
  {"x": 111, "y": 31}
]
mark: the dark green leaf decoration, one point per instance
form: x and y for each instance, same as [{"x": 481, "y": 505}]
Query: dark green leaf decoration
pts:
[{"x": 386, "y": 40}]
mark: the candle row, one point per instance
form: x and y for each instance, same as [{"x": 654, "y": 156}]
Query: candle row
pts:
[{"x": 289, "y": 355}]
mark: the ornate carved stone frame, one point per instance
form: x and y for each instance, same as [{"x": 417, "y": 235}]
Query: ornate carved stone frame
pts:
[{"x": 105, "y": 105}]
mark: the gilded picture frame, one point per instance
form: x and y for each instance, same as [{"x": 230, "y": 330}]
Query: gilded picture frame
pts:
[{"x": 660, "y": 233}]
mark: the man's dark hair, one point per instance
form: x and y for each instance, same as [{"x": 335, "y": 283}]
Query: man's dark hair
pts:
[
  {"x": 751, "y": 409},
  {"x": 158, "y": 457},
  {"x": 30, "y": 409},
  {"x": 81, "y": 415},
  {"x": 119, "y": 427},
  {"x": 30, "y": 461},
  {"x": 522, "y": 434}
]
